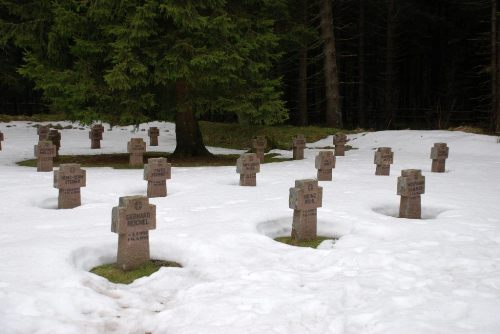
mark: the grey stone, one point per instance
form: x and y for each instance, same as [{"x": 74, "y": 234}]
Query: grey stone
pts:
[
  {"x": 384, "y": 157},
  {"x": 411, "y": 184},
  {"x": 439, "y": 154},
  {"x": 136, "y": 147},
  {"x": 132, "y": 219},
  {"x": 45, "y": 152},
  {"x": 259, "y": 144},
  {"x": 304, "y": 199},
  {"x": 324, "y": 162},
  {"x": 69, "y": 179},
  {"x": 248, "y": 165},
  {"x": 153, "y": 134},
  {"x": 298, "y": 145},
  {"x": 156, "y": 172}
]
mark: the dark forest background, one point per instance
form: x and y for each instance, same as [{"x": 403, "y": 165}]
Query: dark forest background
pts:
[{"x": 427, "y": 64}]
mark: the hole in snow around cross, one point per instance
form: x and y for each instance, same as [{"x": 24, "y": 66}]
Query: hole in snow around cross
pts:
[
  {"x": 282, "y": 228},
  {"x": 427, "y": 212}
]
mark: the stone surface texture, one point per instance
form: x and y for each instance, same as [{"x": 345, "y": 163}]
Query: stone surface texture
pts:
[
  {"x": 45, "y": 152},
  {"x": 55, "y": 138},
  {"x": 259, "y": 145},
  {"x": 248, "y": 165},
  {"x": 324, "y": 162},
  {"x": 43, "y": 132},
  {"x": 298, "y": 145},
  {"x": 304, "y": 199},
  {"x": 339, "y": 141},
  {"x": 439, "y": 154},
  {"x": 69, "y": 179},
  {"x": 95, "y": 136},
  {"x": 136, "y": 147},
  {"x": 131, "y": 220},
  {"x": 157, "y": 171},
  {"x": 153, "y": 133},
  {"x": 384, "y": 157},
  {"x": 411, "y": 184}
]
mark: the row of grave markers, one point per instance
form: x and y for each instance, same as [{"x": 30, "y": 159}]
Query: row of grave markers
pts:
[
  {"x": 70, "y": 178},
  {"x": 134, "y": 216}
]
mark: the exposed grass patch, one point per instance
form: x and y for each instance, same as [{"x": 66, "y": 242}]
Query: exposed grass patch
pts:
[
  {"x": 469, "y": 129},
  {"x": 116, "y": 275},
  {"x": 309, "y": 243},
  {"x": 278, "y": 137},
  {"x": 121, "y": 160}
]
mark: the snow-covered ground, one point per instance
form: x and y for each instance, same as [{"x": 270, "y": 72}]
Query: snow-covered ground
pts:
[{"x": 384, "y": 275}]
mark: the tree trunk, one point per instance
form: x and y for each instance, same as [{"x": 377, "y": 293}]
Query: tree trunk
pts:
[
  {"x": 303, "y": 74},
  {"x": 495, "y": 61},
  {"x": 389, "y": 67},
  {"x": 187, "y": 131},
  {"x": 333, "y": 112},
  {"x": 361, "y": 66}
]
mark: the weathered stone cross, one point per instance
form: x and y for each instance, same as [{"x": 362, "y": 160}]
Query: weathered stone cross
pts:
[
  {"x": 439, "y": 154},
  {"x": 411, "y": 184},
  {"x": 248, "y": 165},
  {"x": 43, "y": 132},
  {"x": 55, "y": 138},
  {"x": 153, "y": 134},
  {"x": 156, "y": 172},
  {"x": 259, "y": 144},
  {"x": 68, "y": 179},
  {"x": 298, "y": 144},
  {"x": 305, "y": 199},
  {"x": 95, "y": 136},
  {"x": 136, "y": 147},
  {"x": 384, "y": 157},
  {"x": 132, "y": 219},
  {"x": 339, "y": 142},
  {"x": 324, "y": 162},
  {"x": 45, "y": 151}
]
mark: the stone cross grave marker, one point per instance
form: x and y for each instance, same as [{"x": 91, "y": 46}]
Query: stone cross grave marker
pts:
[
  {"x": 43, "y": 132},
  {"x": 439, "y": 154},
  {"x": 45, "y": 151},
  {"x": 248, "y": 165},
  {"x": 1, "y": 140},
  {"x": 298, "y": 144},
  {"x": 259, "y": 144},
  {"x": 156, "y": 172},
  {"x": 132, "y": 219},
  {"x": 69, "y": 179},
  {"x": 384, "y": 157},
  {"x": 325, "y": 161},
  {"x": 305, "y": 199},
  {"x": 153, "y": 134},
  {"x": 411, "y": 184},
  {"x": 55, "y": 138},
  {"x": 339, "y": 142},
  {"x": 136, "y": 147},
  {"x": 95, "y": 136}
]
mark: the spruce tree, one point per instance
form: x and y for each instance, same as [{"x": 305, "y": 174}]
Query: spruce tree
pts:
[{"x": 124, "y": 61}]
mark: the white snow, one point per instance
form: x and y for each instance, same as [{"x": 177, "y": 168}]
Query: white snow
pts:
[{"x": 385, "y": 275}]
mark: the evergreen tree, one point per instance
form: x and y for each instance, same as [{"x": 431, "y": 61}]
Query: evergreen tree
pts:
[{"x": 124, "y": 61}]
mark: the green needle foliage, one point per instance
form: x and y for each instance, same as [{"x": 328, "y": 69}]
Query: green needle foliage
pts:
[{"x": 120, "y": 60}]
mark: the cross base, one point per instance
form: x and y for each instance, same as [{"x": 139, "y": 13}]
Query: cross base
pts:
[
  {"x": 304, "y": 226},
  {"x": 410, "y": 207}
]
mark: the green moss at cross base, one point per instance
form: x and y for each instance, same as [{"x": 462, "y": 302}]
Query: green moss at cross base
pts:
[
  {"x": 117, "y": 275},
  {"x": 309, "y": 243}
]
